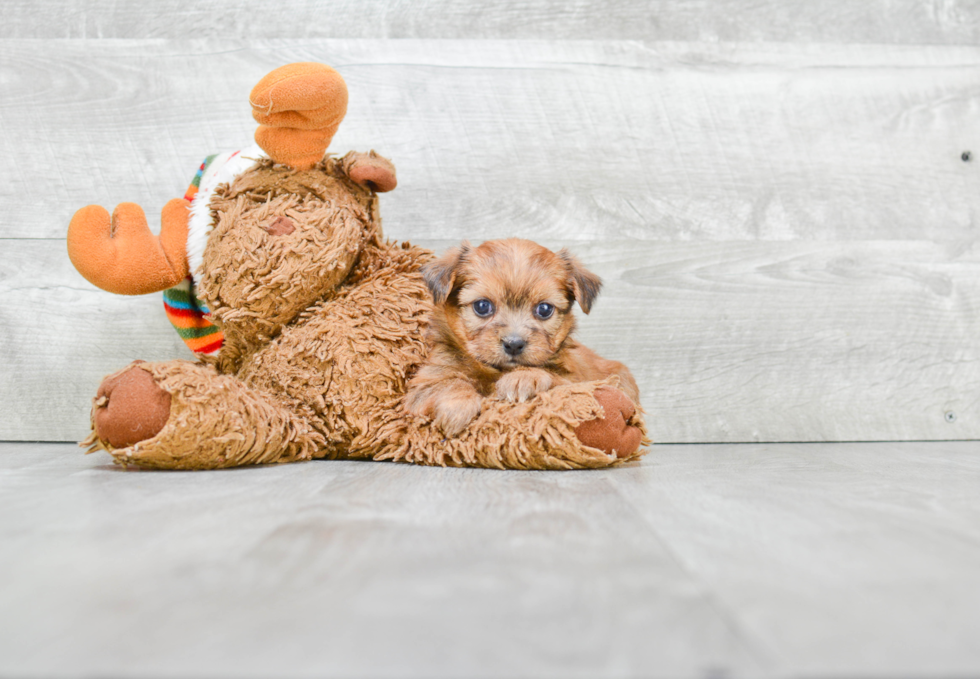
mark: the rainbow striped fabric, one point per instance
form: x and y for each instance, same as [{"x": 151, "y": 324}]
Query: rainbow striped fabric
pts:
[
  {"x": 196, "y": 183},
  {"x": 189, "y": 315},
  {"x": 191, "y": 318}
]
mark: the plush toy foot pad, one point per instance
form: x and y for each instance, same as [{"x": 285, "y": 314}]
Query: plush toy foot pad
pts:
[
  {"x": 130, "y": 408},
  {"x": 612, "y": 433}
]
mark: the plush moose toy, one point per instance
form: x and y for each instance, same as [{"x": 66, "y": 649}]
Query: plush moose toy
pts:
[{"x": 306, "y": 322}]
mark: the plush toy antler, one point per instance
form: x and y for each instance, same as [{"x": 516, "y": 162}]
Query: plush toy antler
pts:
[
  {"x": 299, "y": 108},
  {"x": 119, "y": 254}
]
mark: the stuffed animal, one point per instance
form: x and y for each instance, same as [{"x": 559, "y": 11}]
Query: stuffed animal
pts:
[{"x": 307, "y": 324}]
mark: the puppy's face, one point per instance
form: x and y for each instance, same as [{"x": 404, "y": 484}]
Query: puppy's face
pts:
[{"x": 508, "y": 303}]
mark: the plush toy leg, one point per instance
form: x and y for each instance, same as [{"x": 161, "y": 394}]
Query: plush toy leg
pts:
[
  {"x": 615, "y": 432},
  {"x": 129, "y": 407},
  {"x": 344, "y": 368},
  {"x": 574, "y": 426},
  {"x": 183, "y": 415}
]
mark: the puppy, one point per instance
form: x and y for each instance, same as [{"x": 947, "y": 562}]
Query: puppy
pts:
[{"x": 501, "y": 328}]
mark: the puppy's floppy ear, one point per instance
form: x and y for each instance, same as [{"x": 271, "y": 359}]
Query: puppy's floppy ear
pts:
[
  {"x": 440, "y": 274},
  {"x": 585, "y": 284}
]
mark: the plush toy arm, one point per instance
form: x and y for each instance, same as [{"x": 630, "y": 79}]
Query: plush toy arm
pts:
[
  {"x": 119, "y": 254},
  {"x": 572, "y": 426},
  {"x": 617, "y": 431}
]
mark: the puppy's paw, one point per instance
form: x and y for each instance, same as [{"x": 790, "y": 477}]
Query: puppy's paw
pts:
[
  {"x": 452, "y": 414},
  {"x": 519, "y": 385}
]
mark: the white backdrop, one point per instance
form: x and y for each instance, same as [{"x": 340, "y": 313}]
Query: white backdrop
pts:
[{"x": 782, "y": 215}]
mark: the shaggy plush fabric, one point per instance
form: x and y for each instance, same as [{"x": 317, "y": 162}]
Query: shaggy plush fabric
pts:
[
  {"x": 322, "y": 320},
  {"x": 217, "y": 170},
  {"x": 254, "y": 282},
  {"x": 538, "y": 434},
  {"x": 215, "y": 421},
  {"x": 324, "y": 325}
]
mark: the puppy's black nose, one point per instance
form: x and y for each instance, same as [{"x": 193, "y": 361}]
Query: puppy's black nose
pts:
[{"x": 513, "y": 345}]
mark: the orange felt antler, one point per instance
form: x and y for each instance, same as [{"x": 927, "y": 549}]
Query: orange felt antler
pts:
[
  {"x": 299, "y": 108},
  {"x": 122, "y": 256}
]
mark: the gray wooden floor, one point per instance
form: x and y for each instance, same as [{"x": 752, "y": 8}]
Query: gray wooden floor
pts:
[{"x": 702, "y": 560}]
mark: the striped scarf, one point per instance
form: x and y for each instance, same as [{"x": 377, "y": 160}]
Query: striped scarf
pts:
[
  {"x": 191, "y": 318},
  {"x": 189, "y": 315},
  {"x": 186, "y": 312}
]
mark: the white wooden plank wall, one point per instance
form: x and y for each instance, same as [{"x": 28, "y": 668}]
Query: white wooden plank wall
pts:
[
  {"x": 917, "y": 22},
  {"x": 778, "y": 204}
]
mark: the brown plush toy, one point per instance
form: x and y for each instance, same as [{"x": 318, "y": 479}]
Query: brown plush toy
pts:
[{"x": 306, "y": 321}]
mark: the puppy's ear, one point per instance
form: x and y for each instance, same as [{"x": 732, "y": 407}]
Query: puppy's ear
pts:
[
  {"x": 440, "y": 274},
  {"x": 585, "y": 284}
]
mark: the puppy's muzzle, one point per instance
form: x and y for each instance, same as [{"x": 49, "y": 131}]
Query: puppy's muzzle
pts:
[{"x": 513, "y": 345}]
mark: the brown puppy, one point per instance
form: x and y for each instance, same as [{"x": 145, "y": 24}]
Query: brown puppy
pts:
[{"x": 501, "y": 328}]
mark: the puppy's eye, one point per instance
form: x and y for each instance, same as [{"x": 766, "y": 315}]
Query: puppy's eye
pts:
[
  {"x": 483, "y": 308},
  {"x": 544, "y": 310}
]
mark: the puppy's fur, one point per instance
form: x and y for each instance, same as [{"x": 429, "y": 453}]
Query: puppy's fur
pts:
[{"x": 521, "y": 347}]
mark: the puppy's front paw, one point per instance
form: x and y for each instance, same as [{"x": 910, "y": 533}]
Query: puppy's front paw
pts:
[
  {"x": 454, "y": 413},
  {"x": 519, "y": 385}
]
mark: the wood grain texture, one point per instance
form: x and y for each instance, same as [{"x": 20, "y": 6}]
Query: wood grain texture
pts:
[
  {"x": 787, "y": 230},
  {"x": 61, "y": 335},
  {"x": 340, "y": 570},
  {"x": 571, "y": 140},
  {"x": 842, "y": 559},
  {"x": 737, "y": 341},
  {"x": 805, "y": 341},
  {"x": 830, "y": 21},
  {"x": 699, "y": 561}
]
